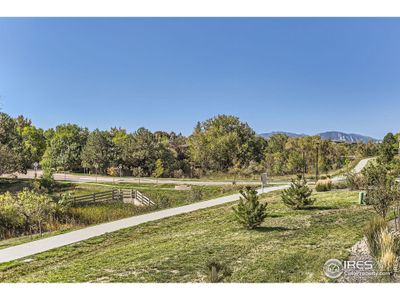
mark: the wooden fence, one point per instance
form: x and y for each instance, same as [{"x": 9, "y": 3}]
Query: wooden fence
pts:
[{"x": 123, "y": 195}]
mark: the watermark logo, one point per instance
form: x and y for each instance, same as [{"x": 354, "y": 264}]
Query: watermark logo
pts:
[{"x": 333, "y": 268}]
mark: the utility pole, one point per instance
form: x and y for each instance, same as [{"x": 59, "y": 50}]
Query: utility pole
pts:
[{"x": 316, "y": 163}]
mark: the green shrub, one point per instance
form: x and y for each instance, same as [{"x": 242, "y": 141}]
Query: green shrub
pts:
[
  {"x": 45, "y": 183},
  {"x": 162, "y": 200},
  {"x": 381, "y": 187},
  {"x": 217, "y": 271},
  {"x": 298, "y": 195},
  {"x": 24, "y": 212},
  {"x": 11, "y": 221},
  {"x": 250, "y": 212},
  {"x": 354, "y": 181},
  {"x": 178, "y": 173},
  {"x": 196, "y": 193},
  {"x": 323, "y": 185},
  {"x": 339, "y": 185}
]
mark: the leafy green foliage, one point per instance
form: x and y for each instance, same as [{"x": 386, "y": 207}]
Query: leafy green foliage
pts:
[
  {"x": 218, "y": 143},
  {"x": 298, "y": 195},
  {"x": 295, "y": 155},
  {"x": 34, "y": 142},
  {"x": 250, "y": 212},
  {"x": 12, "y": 152},
  {"x": 382, "y": 189},
  {"x": 388, "y": 148},
  {"x": 354, "y": 181},
  {"x": 98, "y": 151},
  {"x": 45, "y": 183},
  {"x": 65, "y": 147},
  {"x": 23, "y": 211},
  {"x": 196, "y": 193},
  {"x": 159, "y": 169}
]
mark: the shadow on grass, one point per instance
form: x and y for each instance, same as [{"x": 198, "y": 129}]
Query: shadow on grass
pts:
[
  {"x": 271, "y": 228},
  {"x": 320, "y": 208}
]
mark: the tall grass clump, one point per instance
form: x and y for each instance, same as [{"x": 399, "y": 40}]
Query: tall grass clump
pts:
[
  {"x": 372, "y": 234},
  {"x": 324, "y": 185},
  {"x": 388, "y": 260},
  {"x": 383, "y": 245}
]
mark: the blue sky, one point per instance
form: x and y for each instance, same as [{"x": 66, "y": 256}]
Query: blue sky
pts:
[{"x": 304, "y": 75}]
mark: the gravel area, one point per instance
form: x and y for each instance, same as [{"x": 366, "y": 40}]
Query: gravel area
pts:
[{"x": 359, "y": 253}]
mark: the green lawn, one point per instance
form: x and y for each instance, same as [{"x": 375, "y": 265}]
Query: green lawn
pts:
[
  {"x": 289, "y": 246},
  {"x": 86, "y": 215}
]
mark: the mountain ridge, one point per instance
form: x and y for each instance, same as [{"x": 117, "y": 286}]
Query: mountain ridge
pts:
[{"x": 328, "y": 135}]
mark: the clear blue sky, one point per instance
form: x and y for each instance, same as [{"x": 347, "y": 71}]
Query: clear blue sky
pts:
[{"x": 300, "y": 75}]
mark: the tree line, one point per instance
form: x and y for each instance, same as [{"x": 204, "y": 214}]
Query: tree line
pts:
[{"x": 221, "y": 144}]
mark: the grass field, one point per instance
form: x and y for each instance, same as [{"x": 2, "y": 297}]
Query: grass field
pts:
[
  {"x": 290, "y": 246},
  {"x": 80, "y": 216}
]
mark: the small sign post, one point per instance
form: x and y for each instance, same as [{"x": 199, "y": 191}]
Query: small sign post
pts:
[
  {"x": 263, "y": 181},
  {"x": 35, "y": 167},
  {"x": 120, "y": 170}
]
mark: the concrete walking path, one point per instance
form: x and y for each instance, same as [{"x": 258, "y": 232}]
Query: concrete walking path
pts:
[
  {"x": 357, "y": 169},
  {"x": 35, "y": 247}
]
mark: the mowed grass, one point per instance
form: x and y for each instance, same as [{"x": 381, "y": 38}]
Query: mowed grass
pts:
[
  {"x": 290, "y": 246},
  {"x": 85, "y": 215}
]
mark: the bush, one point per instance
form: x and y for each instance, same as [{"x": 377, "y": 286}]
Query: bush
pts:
[
  {"x": 383, "y": 245},
  {"x": 339, "y": 185},
  {"x": 24, "y": 212},
  {"x": 381, "y": 187},
  {"x": 11, "y": 221},
  {"x": 354, "y": 181},
  {"x": 178, "y": 173},
  {"x": 249, "y": 211},
  {"x": 138, "y": 172},
  {"x": 388, "y": 243},
  {"x": 196, "y": 193},
  {"x": 113, "y": 171},
  {"x": 323, "y": 185},
  {"x": 372, "y": 234},
  {"x": 298, "y": 195},
  {"x": 46, "y": 183},
  {"x": 161, "y": 200},
  {"x": 217, "y": 271}
]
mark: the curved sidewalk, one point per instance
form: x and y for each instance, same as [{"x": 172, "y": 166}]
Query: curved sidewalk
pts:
[{"x": 35, "y": 247}]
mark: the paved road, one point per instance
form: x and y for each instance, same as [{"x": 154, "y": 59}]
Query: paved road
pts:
[
  {"x": 82, "y": 178},
  {"x": 31, "y": 248},
  {"x": 357, "y": 169},
  {"x": 85, "y": 178}
]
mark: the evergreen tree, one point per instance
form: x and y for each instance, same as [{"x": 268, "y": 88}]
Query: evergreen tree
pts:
[
  {"x": 250, "y": 212},
  {"x": 298, "y": 195}
]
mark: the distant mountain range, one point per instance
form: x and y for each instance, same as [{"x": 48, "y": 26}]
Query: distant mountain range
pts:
[{"x": 329, "y": 135}]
